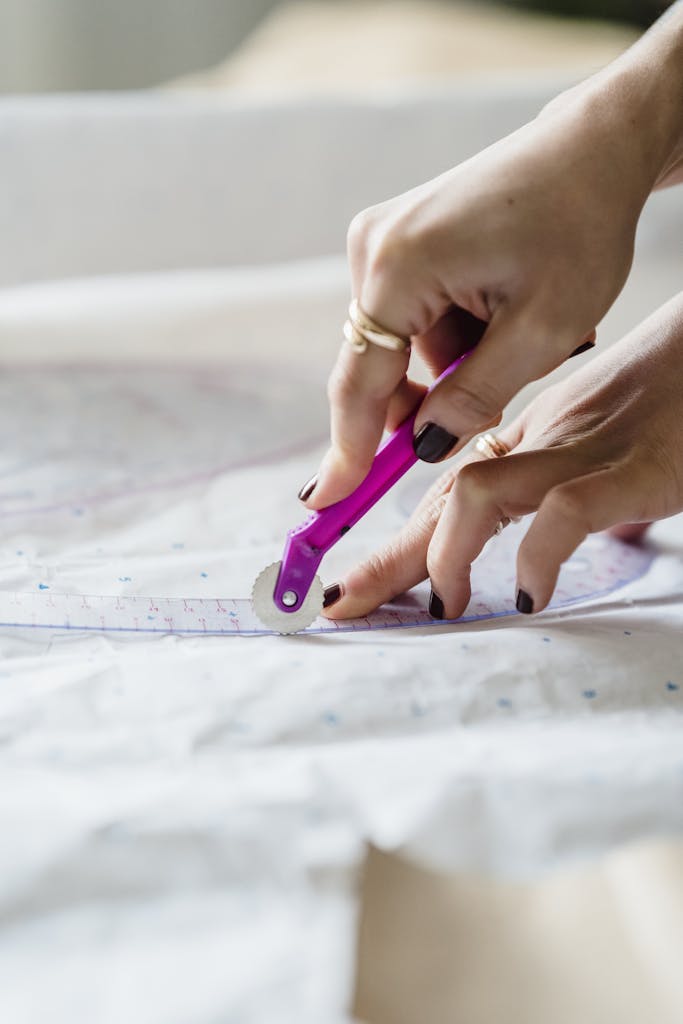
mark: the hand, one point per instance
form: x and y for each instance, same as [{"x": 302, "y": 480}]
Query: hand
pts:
[
  {"x": 602, "y": 448},
  {"x": 522, "y": 248}
]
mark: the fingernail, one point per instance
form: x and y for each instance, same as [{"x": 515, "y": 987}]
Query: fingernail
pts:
[
  {"x": 524, "y": 603},
  {"x": 331, "y": 594},
  {"x": 308, "y": 488},
  {"x": 587, "y": 345},
  {"x": 432, "y": 442},
  {"x": 436, "y": 606}
]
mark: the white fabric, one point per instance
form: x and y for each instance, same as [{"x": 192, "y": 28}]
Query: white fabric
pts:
[{"x": 181, "y": 820}]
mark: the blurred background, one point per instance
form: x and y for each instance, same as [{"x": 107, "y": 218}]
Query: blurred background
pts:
[{"x": 73, "y": 45}]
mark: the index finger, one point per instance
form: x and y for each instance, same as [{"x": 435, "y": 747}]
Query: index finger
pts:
[
  {"x": 369, "y": 392},
  {"x": 360, "y": 390}
]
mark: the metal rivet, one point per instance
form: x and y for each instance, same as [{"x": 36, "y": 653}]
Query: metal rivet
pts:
[{"x": 289, "y": 598}]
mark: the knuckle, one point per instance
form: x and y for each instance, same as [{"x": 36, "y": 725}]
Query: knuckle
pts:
[
  {"x": 386, "y": 246},
  {"x": 445, "y": 481},
  {"x": 340, "y": 387},
  {"x": 439, "y": 490},
  {"x": 425, "y": 522},
  {"x": 441, "y": 567},
  {"x": 389, "y": 254},
  {"x": 563, "y": 502},
  {"x": 359, "y": 233},
  {"x": 664, "y": 458},
  {"x": 434, "y": 561},
  {"x": 481, "y": 406},
  {"x": 474, "y": 479},
  {"x": 376, "y": 570}
]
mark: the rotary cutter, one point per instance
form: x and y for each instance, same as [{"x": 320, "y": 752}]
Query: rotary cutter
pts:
[{"x": 288, "y": 595}]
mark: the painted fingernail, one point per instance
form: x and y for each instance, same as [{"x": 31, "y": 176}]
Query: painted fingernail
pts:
[
  {"x": 432, "y": 442},
  {"x": 308, "y": 488},
  {"x": 524, "y": 603},
  {"x": 331, "y": 594},
  {"x": 436, "y": 606},
  {"x": 586, "y": 347}
]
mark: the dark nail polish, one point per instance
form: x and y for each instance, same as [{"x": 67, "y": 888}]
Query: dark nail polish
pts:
[
  {"x": 308, "y": 488},
  {"x": 586, "y": 347},
  {"x": 436, "y": 606},
  {"x": 331, "y": 594},
  {"x": 432, "y": 442},
  {"x": 524, "y": 603}
]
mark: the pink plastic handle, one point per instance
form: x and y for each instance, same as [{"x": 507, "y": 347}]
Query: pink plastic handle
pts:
[{"x": 307, "y": 543}]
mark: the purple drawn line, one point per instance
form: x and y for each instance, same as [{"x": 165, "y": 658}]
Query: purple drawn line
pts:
[
  {"x": 96, "y": 499},
  {"x": 202, "y": 373}
]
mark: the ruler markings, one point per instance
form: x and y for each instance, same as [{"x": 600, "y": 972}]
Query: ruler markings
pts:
[{"x": 609, "y": 566}]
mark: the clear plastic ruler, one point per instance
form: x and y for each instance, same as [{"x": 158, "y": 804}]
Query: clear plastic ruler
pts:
[
  {"x": 70, "y": 446},
  {"x": 599, "y": 567}
]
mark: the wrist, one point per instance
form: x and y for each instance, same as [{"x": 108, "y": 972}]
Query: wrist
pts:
[{"x": 641, "y": 94}]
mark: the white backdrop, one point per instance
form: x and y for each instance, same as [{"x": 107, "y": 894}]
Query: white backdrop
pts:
[
  {"x": 135, "y": 182},
  {"x": 116, "y": 44}
]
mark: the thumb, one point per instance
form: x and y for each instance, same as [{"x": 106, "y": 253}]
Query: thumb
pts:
[{"x": 472, "y": 398}]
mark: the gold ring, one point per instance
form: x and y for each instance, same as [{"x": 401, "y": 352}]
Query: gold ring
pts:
[
  {"x": 491, "y": 446},
  {"x": 361, "y": 330}
]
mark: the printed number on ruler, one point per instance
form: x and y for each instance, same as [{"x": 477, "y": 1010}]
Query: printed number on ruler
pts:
[{"x": 600, "y": 566}]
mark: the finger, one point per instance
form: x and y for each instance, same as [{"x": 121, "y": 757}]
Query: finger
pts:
[
  {"x": 455, "y": 332},
  {"x": 569, "y": 512},
  {"x": 631, "y": 533},
  {"x": 510, "y": 436},
  {"x": 404, "y": 401},
  {"x": 483, "y": 493},
  {"x": 473, "y": 397},
  {"x": 362, "y": 384},
  {"x": 395, "y": 568},
  {"x": 402, "y": 563},
  {"x": 359, "y": 391},
  {"x": 586, "y": 345},
  {"x": 369, "y": 391},
  {"x": 358, "y": 417}
]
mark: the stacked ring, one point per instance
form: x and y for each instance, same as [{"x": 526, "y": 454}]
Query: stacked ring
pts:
[
  {"x": 361, "y": 330},
  {"x": 493, "y": 448}
]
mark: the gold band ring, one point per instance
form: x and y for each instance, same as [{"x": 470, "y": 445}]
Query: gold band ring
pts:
[
  {"x": 361, "y": 330},
  {"x": 493, "y": 448}
]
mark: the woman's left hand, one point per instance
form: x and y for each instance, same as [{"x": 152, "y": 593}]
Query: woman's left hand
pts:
[{"x": 601, "y": 449}]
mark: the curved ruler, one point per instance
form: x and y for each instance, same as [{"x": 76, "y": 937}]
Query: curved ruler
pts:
[{"x": 600, "y": 566}]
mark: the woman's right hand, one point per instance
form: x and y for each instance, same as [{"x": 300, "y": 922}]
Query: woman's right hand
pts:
[{"x": 523, "y": 249}]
